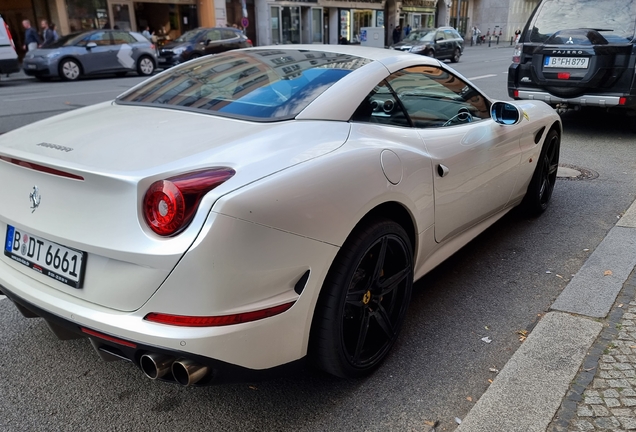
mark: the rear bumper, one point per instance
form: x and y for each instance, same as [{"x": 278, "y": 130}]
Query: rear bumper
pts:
[
  {"x": 219, "y": 371},
  {"x": 602, "y": 101},
  {"x": 8, "y": 66}
]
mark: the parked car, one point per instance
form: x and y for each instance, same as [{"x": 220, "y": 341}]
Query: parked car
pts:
[
  {"x": 90, "y": 53},
  {"x": 286, "y": 217},
  {"x": 202, "y": 41},
  {"x": 577, "y": 53},
  {"x": 8, "y": 57},
  {"x": 441, "y": 43}
]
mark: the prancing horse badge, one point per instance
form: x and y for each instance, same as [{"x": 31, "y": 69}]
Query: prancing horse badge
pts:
[{"x": 35, "y": 198}]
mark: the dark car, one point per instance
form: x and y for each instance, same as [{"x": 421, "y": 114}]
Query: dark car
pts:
[
  {"x": 92, "y": 52},
  {"x": 441, "y": 43},
  {"x": 577, "y": 53},
  {"x": 202, "y": 41}
]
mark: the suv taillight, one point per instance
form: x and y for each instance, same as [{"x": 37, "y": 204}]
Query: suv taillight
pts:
[
  {"x": 516, "y": 55},
  {"x": 9, "y": 35},
  {"x": 169, "y": 205}
]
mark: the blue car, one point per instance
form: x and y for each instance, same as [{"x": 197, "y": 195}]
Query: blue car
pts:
[{"x": 90, "y": 53}]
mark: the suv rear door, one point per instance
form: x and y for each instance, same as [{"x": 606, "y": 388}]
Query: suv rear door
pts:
[{"x": 8, "y": 57}]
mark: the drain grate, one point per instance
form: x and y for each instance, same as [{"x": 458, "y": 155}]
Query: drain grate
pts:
[{"x": 573, "y": 172}]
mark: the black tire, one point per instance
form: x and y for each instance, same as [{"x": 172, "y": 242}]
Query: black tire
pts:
[
  {"x": 541, "y": 186},
  {"x": 363, "y": 301},
  {"x": 145, "y": 66},
  {"x": 456, "y": 55},
  {"x": 69, "y": 70},
  {"x": 43, "y": 78}
]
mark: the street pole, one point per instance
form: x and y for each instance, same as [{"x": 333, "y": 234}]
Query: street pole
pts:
[{"x": 459, "y": 4}]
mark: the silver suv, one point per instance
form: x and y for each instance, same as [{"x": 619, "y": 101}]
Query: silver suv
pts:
[{"x": 8, "y": 57}]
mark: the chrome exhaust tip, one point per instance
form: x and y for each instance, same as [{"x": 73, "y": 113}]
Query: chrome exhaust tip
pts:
[
  {"x": 155, "y": 366},
  {"x": 186, "y": 372}
]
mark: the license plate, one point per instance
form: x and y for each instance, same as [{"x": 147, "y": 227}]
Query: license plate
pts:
[
  {"x": 32, "y": 66},
  {"x": 566, "y": 62},
  {"x": 58, "y": 262}
]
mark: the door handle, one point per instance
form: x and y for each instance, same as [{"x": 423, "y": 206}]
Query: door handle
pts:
[{"x": 442, "y": 170}]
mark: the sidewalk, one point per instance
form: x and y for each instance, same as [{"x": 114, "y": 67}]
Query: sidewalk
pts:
[
  {"x": 576, "y": 371},
  {"x": 16, "y": 76}
]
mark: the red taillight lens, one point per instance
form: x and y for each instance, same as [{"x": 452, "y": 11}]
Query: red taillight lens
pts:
[
  {"x": 563, "y": 75},
  {"x": 515, "y": 94},
  {"x": 216, "y": 321},
  {"x": 169, "y": 205},
  {"x": 249, "y": 42},
  {"x": 622, "y": 101}
]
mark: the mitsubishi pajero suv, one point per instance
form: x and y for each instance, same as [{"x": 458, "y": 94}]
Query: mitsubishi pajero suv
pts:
[{"x": 577, "y": 53}]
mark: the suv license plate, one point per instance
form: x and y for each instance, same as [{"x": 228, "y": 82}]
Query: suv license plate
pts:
[
  {"x": 566, "y": 62},
  {"x": 59, "y": 262}
]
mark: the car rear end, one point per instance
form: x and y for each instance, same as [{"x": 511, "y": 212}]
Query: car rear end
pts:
[
  {"x": 576, "y": 53},
  {"x": 8, "y": 56}
]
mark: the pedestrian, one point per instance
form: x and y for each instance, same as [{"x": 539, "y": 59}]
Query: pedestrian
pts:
[
  {"x": 407, "y": 30},
  {"x": 53, "y": 32},
  {"x": 146, "y": 33},
  {"x": 476, "y": 39},
  {"x": 47, "y": 35},
  {"x": 397, "y": 34},
  {"x": 31, "y": 38},
  {"x": 517, "y": 35}
]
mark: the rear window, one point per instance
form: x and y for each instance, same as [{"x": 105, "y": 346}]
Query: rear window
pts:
[
  {"x": 614, "y": 19},
  {"x": 253, "y": 84}
]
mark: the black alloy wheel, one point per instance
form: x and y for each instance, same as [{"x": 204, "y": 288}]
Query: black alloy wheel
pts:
[
  {"x": 364, "y": 301},
  {"x": 543, "y": 180}
]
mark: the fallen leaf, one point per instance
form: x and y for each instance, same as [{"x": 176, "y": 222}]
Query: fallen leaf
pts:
[
  {"x": 632, "y": 346},
  {"x": 490, "y": 381},
  {"x": 429, "y": 423},
  {"x": 486, "y": 339},
  {"x": 469, "y": 399},
  {"x": 607, "y": 273},
  {"x": 559, "y": 276}
]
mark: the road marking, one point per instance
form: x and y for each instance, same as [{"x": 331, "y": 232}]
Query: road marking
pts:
[
  {"x": 483, "y": 76},
  {"x": 62, "y": 95}
]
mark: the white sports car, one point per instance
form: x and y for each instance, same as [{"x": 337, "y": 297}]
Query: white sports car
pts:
[{"x": 244, "y": 212}]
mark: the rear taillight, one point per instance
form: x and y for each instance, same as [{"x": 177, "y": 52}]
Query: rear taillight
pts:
[
  {"x": 9, "y": 34},
  {"x": 516, "y": 55},
  {"x": 249, "y": 42},
  {"x": 169, "y": 205}
]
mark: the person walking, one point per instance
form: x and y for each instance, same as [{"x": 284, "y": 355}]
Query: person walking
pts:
[
  {"x": 397, "y": 34},
  {"x": 53, "y": 32},
  {"x": 407, "y": 30},
  {"x": 475, "y": 39},
  {"x": 31, "y": 38},
  {"x": 146, "y": 33},
  {"x": 47, "y": 35}
]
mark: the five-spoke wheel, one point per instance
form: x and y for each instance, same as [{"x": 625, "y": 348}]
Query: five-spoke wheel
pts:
[
  {"x": 69, "y": 70},
  {"x": 364, "y": 300},
  {"x": 542, "y": 184}
]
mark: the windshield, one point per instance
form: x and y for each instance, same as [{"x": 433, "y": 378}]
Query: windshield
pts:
[
  {"x": 67, "y": 40},
  {"x": 614, "y": 19},
  {"x": 422, "y": 35},
  {"x": 255, "y": 84},
  {"x": 188, "y": 36}
]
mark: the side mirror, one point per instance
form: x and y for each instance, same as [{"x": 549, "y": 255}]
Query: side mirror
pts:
[
  {"x": 91, "y": 45},
  {"x": 207, "y": 42},
  {"x": 505, "y": 113}
]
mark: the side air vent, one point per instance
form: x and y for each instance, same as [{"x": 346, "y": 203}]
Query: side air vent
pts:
[{"x": 538, "y": 135}]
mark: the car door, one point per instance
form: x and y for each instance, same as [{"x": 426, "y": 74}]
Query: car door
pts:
[
  {"x": 212, "y": 42},
  {"x": 475, "y": 160},
  {"x": 230, "y": 39},
  {"x": 124, "y": 50},
  {"x": 98, "y": 57},
  {"x": 441, "y": 45}
]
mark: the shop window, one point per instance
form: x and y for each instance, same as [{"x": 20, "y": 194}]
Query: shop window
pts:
[{"x": 87, "y": 14}]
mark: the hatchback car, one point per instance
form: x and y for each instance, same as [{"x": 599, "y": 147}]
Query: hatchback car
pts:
[
  {"x": 578, "y": 53},
  {"x": 441, "y": 43},
  {"x": 91, "y": 53},
  {"x": 200, "y": 42},
  {"x": 8, "y": 57},
  {"x": 285, "y": 219}
]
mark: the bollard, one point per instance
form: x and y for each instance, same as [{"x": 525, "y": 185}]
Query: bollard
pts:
[
  {"x": 511, "y": 40},
  {"x": 497, "y": 40},
  {"x": 489, "y": 40}
]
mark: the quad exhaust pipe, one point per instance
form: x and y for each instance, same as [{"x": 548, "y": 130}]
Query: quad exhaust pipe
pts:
[{"x": 184, "y": 371}]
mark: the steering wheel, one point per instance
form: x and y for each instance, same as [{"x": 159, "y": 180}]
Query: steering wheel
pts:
[{"x": 462, "y": 116}]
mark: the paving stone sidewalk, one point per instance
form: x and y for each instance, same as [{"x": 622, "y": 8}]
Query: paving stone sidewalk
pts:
[{"x": 603, "y": 395}]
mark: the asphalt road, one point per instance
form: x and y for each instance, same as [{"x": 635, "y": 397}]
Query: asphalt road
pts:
[{"x": 498, "y": 285}]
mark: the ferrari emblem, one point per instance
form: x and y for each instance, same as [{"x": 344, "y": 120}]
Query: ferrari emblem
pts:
[
  {"x": 35, "y": 198},
  {"x": 526, "y": 116},
  {"x": 367, "y": 297}
]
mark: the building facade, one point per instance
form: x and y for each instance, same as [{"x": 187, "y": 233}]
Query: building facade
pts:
[{"x": 272, "y": 22}]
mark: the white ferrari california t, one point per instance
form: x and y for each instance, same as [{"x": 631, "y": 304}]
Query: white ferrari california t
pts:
[{"x": 242, "y": 213}]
